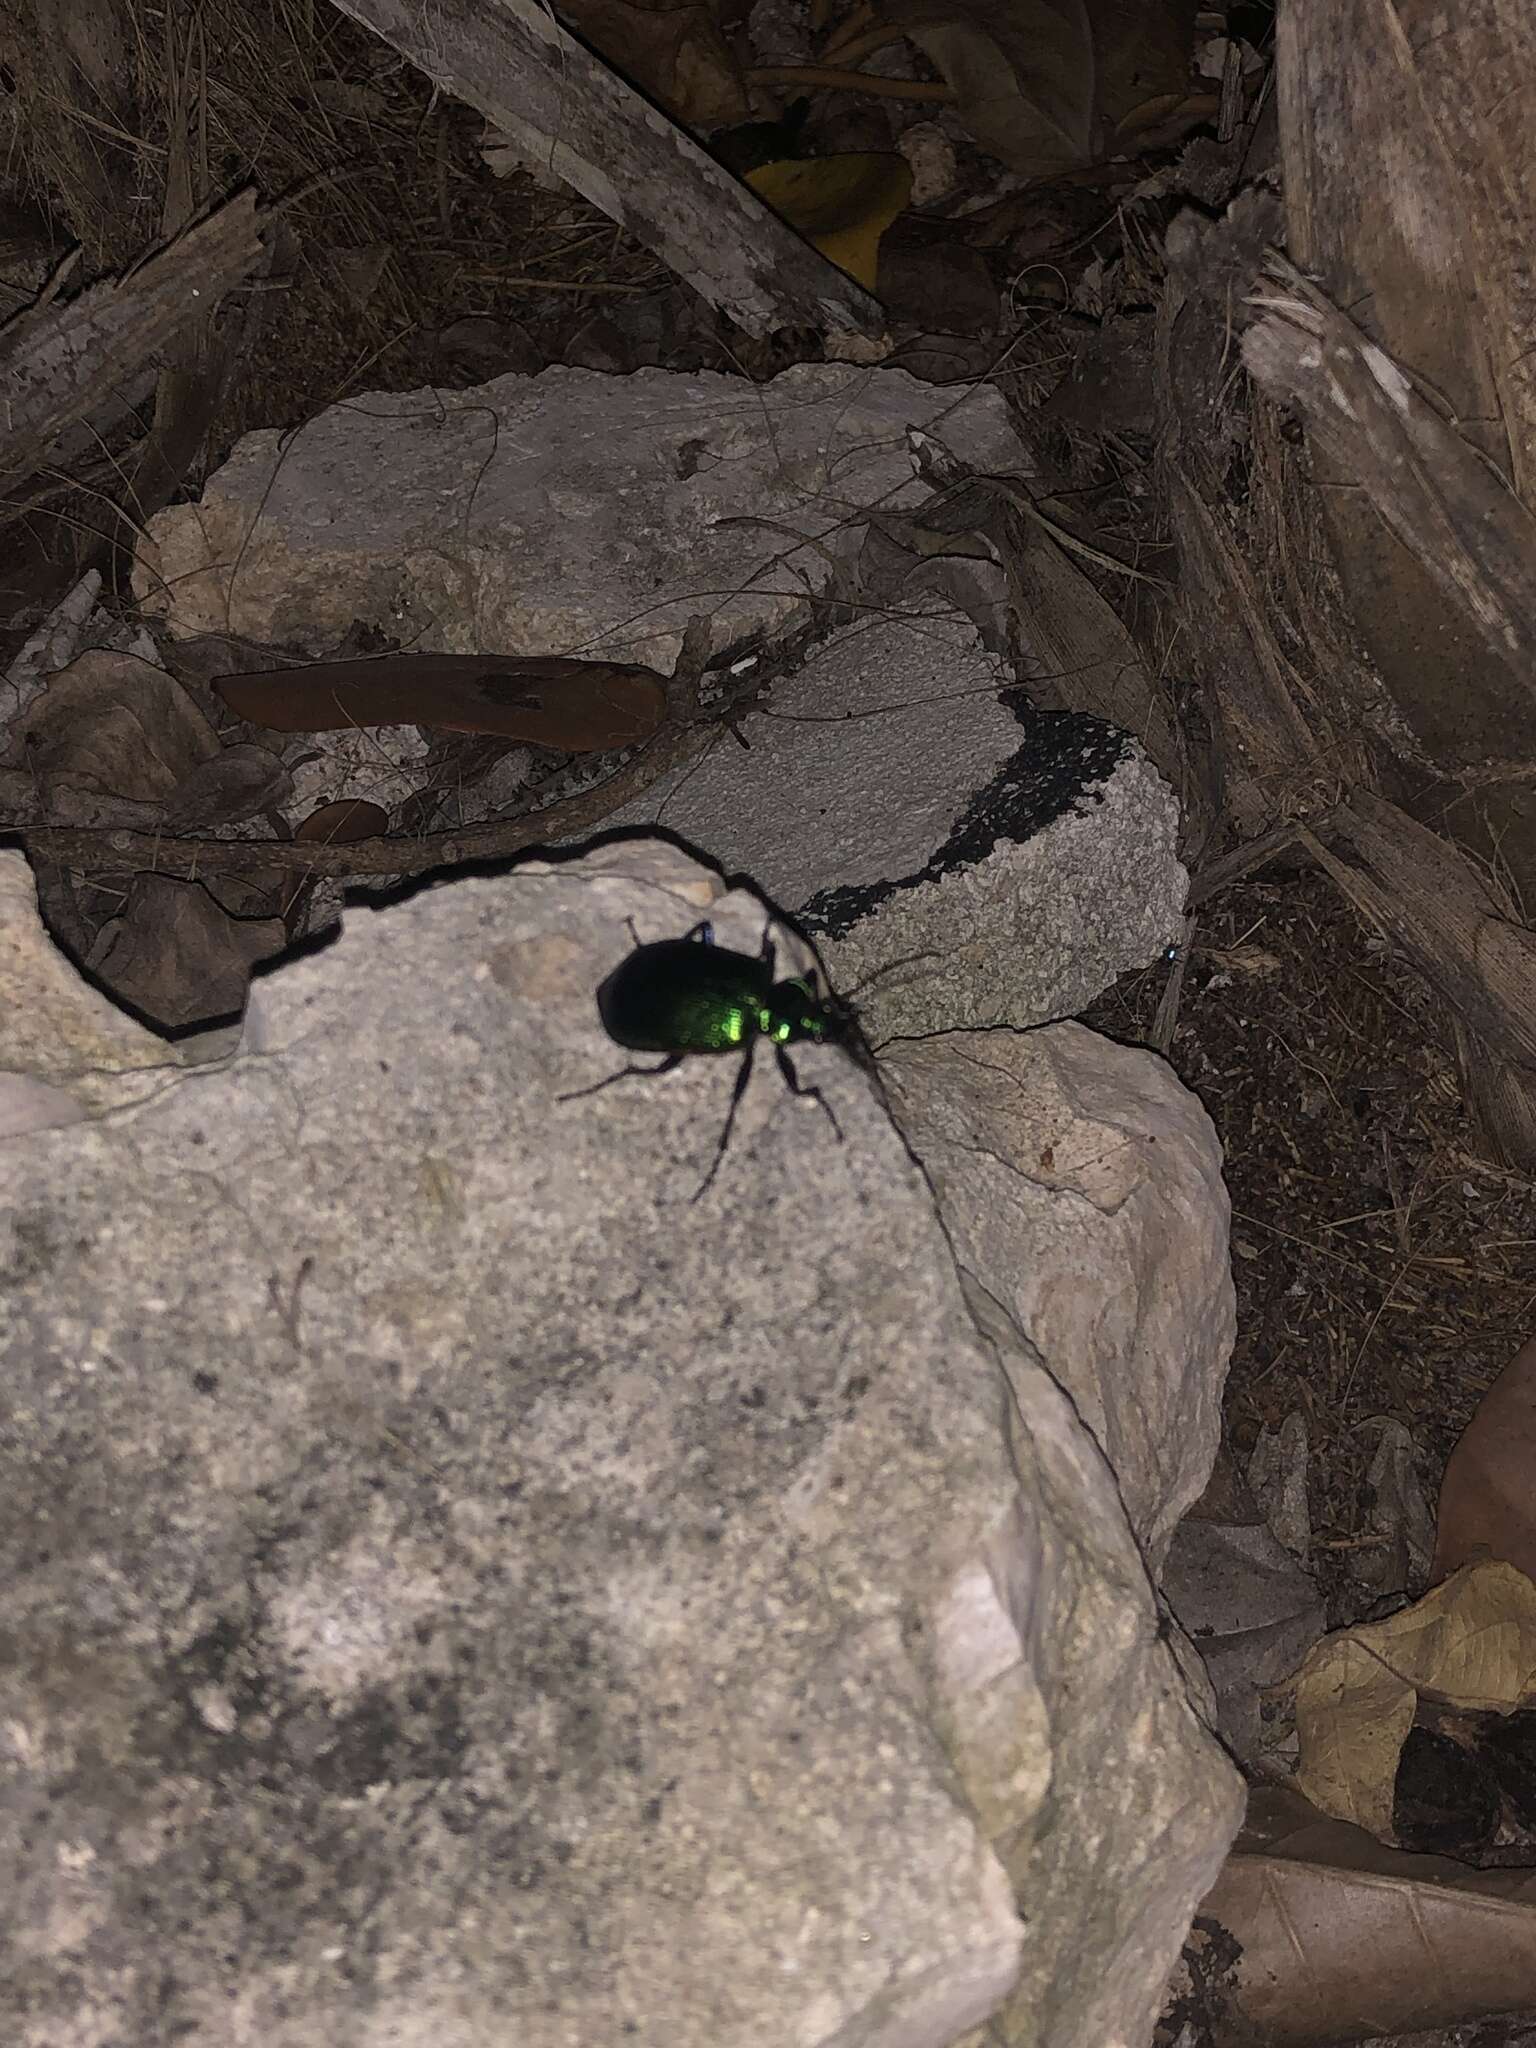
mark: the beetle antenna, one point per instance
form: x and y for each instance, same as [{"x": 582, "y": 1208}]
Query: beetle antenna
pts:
[{"x": 890, "y": 967}]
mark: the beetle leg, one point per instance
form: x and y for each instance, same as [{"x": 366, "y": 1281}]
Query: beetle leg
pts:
[
  {"x": 798, "y": 1087},
  {"x": 624, "y": 1074},
  {"x": 743, "y": 1076}
]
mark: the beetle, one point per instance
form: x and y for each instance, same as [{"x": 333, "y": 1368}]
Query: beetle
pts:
[{"x": 686, "y": 997}]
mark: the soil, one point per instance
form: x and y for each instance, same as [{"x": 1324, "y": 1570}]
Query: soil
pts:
[{"x": 1383, "y": 1265}]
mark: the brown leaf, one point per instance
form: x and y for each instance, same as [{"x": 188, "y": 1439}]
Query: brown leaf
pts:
[
  {"x": 1487, "y": 1503},
  {"x": 1323, "y": 1935},
  {"x": 116, "y": 724},
  {"x": 177, "y": 956},
  {"x": 351, "y": 818},
  {"x": 1469, "y": 1642},
  {"x": 577, "y": 707}
]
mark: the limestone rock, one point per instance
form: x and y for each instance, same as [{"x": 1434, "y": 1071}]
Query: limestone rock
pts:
[
  {"x": 565, "y": 513},
  {"x": 459, "y": 1590}
]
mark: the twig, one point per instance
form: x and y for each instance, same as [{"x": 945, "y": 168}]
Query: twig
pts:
[
  {"x": 1017, "y": 495},
  {"x": 113, "y": 851},
  {"x": 1253, "y": 853},
  {"x": 851, "y": 81}
]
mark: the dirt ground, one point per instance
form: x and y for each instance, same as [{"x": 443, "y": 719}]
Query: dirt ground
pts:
[{"x": 1383, "y": 1266}]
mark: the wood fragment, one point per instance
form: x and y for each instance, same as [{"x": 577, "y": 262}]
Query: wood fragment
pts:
[
  {"x": 1432, "y": 901},
  {"x": 1441, "y": 497},
  {"x": 61, "y": 359},
  {"x": 1232, "y": 867},
  {"x": 564, "y": 110}
]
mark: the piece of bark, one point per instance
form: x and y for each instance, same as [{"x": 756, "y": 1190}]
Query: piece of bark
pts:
[
  {"x": 1456, "y": 516},
  {"x": 1465, "y": 937},
  {"x": 542, "y": 700},
  {"x": 1409, "y": 195},
  {"x": 61, "y": 359},
  {"x": 1276, "y": 745},
  {"x": 567, "y": 112},
  {"x": 1434, "y": 902}
]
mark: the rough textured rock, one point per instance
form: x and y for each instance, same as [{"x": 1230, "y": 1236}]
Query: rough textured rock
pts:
[
  {"x": 55, "y": 1031},
  {"x": 963, "y": 862},
  {"x": 1081, "y": 1183},
  {"x": 890, "y": 800},
  {"x": 461, "y": 1591},
  {"x": 564, "y": 513}
]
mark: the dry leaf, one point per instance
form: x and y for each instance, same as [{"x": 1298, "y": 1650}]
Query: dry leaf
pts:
[
  {"x": 349, "y": 819},
  {"x": 177, "y": 956},
  {"x": 1470, "y": 1642},
  {"x": 1487, "y": 1503},
  {"x": 575, "y": 706},
  {"x": 359, "y": 271},
  {"x": 1024, "y": 75},
  {"x": 841, "y": 204},
  {"x": 1320, "y": 1934},
  {"x": 113, "y": 723}
]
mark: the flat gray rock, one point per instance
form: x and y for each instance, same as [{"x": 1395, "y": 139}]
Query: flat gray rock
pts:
[
  {"x": 890, "y": 799},
  {"x": 568, "y": 513},
  {"x": 460, "y": 1590},
  {"x": 961, "y": 860}
]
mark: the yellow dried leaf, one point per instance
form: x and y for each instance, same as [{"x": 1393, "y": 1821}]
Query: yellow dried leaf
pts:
[{"x": 841, "y": 204}]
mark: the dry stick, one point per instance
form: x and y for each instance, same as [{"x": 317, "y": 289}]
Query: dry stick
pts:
[
  {"x": 552, "y": 284},
  {"x": 1165, "y": 1023},
  {"x": 1253, "y": 853},
  {"x": 114, "y": 851},
  {"x": 844, "y": 56},
  {"x": 1017, "y": 495},
  {"x": 851, "y": 81}
]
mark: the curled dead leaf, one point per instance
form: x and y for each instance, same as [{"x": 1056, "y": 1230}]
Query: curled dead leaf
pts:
[
  {"x": 1315, "y": 1932},
  {"x": 115, "y": 724}
]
